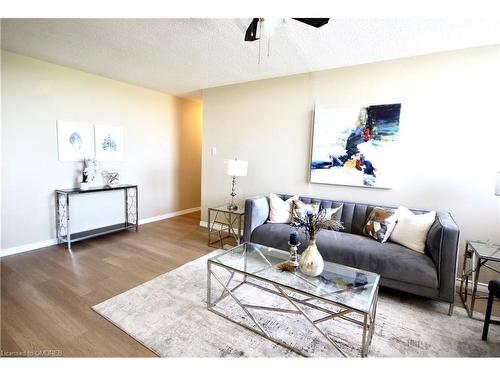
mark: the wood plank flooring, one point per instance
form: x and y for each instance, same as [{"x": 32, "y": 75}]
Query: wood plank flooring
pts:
[{"x": 46, "y": 294}]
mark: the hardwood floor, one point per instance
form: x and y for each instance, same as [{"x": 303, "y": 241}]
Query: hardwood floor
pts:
[{"x": 46, "y": 294}]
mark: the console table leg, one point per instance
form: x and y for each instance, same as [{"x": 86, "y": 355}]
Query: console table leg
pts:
[
  {"x": 68, "y": 228},
  {"x": 126, "y": 207},
  {"x": 136, "y": 210},
  {"x": 58, "y": 227}
]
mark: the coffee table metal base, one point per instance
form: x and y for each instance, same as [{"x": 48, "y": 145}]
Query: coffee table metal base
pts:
[{"x": 367, "y": 321}]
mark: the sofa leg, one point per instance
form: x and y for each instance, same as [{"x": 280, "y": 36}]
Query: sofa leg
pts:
[{"x": 450, "y": 309}]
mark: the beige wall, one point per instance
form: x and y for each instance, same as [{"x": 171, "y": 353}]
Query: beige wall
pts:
[
  {"x": 449, "y": 134},
  {"x": 162, "y": 143},
  {"x": 189, "y": 153}
]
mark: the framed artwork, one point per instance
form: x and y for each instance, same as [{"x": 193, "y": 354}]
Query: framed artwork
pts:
[
  {"x": 355, "y": 146},
  {"x": 108, "y": 143},
  {"x": 75, "y": 141}
]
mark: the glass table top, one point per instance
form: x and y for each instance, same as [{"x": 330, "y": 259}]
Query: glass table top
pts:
[
  {"x": 239, "y": 211},
  {"x": 340, "y": 284},
  {"x": 486, "y": 250}
]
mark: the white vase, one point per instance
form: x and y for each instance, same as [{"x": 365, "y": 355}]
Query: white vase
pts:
[
  {"x": 311, "y": 261},
  {"x": 84, "y": 185}
]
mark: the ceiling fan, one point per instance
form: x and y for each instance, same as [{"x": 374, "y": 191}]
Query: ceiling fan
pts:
[
  {"x": 264, "y": 28},
  {"x": 254, "y": 30}
]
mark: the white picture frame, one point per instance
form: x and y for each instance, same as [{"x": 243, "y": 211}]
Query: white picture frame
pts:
[
  {"x": 108, "y": 143},
  {"x": 75, "y": 140}
]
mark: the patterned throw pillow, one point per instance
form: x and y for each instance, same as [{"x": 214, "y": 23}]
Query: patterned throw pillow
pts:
[
  {"x": 300, "y": 208},
  {"x": 334, "y": 213},
  {"x": 380, "y": 223}
]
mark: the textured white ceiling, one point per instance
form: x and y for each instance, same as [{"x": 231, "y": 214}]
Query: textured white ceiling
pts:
[{"x": 184, "y": 56}]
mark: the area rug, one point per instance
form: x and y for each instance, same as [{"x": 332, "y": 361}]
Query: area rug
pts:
[{"x": 169, "y": 316}]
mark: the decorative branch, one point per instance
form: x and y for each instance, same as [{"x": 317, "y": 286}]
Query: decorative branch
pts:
[{"x": 311, "y": 223}]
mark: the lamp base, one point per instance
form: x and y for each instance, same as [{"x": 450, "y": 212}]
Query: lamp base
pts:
[{"x": 232, "y": 207}]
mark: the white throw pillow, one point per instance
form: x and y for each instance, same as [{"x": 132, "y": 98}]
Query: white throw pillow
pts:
[
  {"x": 411, "y": 229},
  {"x": 280, "y": 210}
]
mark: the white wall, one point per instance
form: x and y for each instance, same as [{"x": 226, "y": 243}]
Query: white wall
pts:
[
  {"x": 159, "y": 131},
  {"x": 449, "y": 134}
]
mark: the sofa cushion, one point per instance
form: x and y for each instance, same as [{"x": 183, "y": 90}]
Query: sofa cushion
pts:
[
  {"x": 411, "y": 230},
  {"x": 281, "y": 209},
  {"x": 390, "y": 260}
]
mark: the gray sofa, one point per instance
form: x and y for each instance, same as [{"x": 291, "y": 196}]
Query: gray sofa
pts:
[{"x": 430, "y": 275}]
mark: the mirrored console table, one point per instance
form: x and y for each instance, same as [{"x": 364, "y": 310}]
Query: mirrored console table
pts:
[{"x": 63, "y": 225}]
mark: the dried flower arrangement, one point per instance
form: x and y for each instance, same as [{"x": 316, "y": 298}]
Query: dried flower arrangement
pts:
[{"x": 311, "y": 223}]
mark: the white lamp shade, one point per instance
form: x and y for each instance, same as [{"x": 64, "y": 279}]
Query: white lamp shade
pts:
[
  {"x": 497, "y": 185},
  {"x": 236, "y": 167}
]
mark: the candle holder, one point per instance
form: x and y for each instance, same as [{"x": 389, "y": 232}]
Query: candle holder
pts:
[
  {"x": 292, "y": 264},
  {"x": 294, "y": 258}
]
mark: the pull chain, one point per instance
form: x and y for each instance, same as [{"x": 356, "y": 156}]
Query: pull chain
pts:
[{"x": 260, "y": 36}]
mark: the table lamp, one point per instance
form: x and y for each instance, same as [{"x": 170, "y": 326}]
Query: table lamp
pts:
[
  {"x": 497, "y": 188},
  {"x": 497, "y": 185},
  {"x": 235, "y": 168}
]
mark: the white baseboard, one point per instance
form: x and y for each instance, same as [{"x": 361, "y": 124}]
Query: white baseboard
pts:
[
  {"x": 27, "y": 247},
  {"x": 53, "y": 241},
  {"x": 481, "y": 287},
  {"x": 216, "y": 226},
  {"x": 168, "y": 216}
]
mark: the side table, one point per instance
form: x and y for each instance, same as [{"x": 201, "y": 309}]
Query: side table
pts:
[
  {"x": 224, "y": 218},
  {"x": 479, "y": 253}
]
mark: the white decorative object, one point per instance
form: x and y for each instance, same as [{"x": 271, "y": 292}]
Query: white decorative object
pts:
[
  {"x": 110, "y": 178},
  {"x": 311, "y": 261},
  {"x": 108, "y": 143},
  {"x": 75, "y": 141},
  {"x": 89, "y": 172},
  {"x": 84, "y": 186},
  {"x": 280, "y": 210},
  {"x": 411, "y": 229}
]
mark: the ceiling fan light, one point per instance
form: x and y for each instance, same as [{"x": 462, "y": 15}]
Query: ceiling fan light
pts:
[{"x": 267, "y": 26}]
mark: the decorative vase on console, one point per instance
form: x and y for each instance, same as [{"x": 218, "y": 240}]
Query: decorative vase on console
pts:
[
  {"x": 88, "y": 174},
  {"x": 311, "y": 261}
]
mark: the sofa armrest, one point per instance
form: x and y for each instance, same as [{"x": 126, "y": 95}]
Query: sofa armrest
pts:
[
  {"x": 442, "y": 245},
  {"x": 256, "y": 214}
]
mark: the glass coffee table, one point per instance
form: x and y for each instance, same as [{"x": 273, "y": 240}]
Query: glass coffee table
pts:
[{"x": 340, "y": 292}]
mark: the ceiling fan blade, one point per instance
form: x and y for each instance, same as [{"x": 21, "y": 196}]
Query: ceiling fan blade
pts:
[
  {"x": 315, "y": 22},
  {"x": 251, "y": 33}
]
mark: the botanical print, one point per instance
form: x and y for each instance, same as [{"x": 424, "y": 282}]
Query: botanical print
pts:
[
  {"x": 354, "y": 146},
  {"x": 75, "y": 141},
  {"x": 109, "y": 143}
]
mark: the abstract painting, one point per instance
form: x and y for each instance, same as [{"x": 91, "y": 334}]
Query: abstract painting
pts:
[
  {"x": 355, "y": 146},
  {"x": 108, "y": 143},
  {"x": 75, "y": 141}
]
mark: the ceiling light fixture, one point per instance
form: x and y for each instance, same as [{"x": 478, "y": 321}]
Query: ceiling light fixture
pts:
[{"x": 265, "y": 27}]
